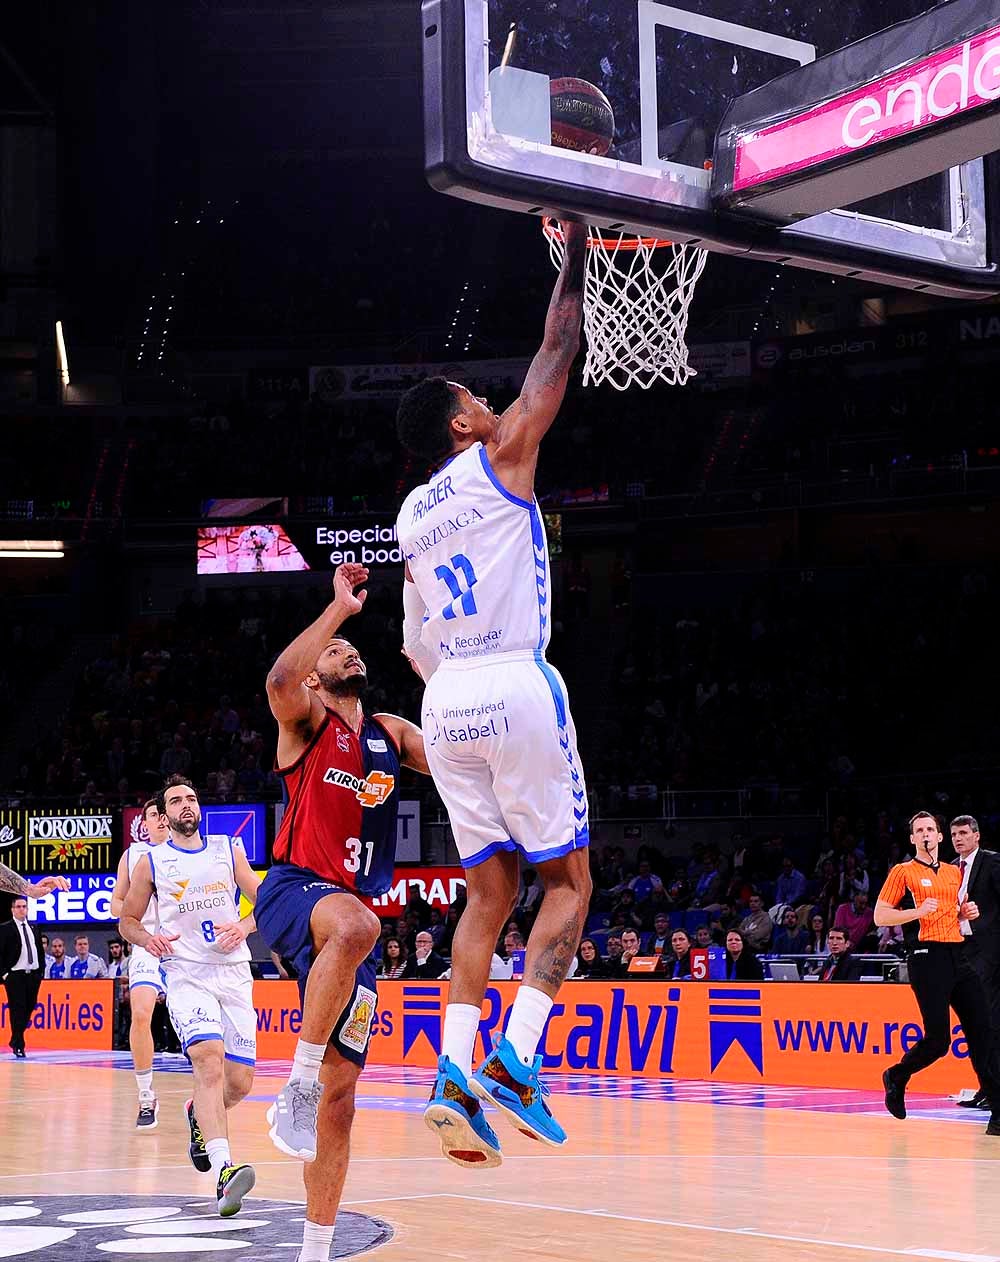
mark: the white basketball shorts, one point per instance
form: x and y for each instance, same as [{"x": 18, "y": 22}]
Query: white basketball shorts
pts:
[
  {"x": 501, "y": 746},
  {"x": 144, "y": 970},
  {"x": 213, "y": 1001}
]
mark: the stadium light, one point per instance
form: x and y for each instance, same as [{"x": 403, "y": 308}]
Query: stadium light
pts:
[
  {"x": 61, "y": 354},
  {"x": 32, "y": 549}
]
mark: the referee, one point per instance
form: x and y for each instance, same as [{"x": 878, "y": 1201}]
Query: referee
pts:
[{"x": 923, "y": 889}]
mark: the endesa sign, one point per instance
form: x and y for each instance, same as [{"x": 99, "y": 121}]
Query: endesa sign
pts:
[
  {"x": 791, "y": 1033},
  {"x": 959, "y": 80},
  {"x": 247, "y": 822},
  {"x": 58, "y": 839},
  {"x": 439, "y": 886},
  {"x": 86, "y": 902}
]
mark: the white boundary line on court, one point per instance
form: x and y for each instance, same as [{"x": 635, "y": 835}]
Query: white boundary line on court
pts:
[{"x": 751, "y": 1232}]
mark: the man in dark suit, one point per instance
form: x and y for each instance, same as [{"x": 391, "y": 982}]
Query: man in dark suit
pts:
[
  {"x": 22, "y": 956},
  {"x": 980, "y": 871},
  {"x": 840, "y": 965}
]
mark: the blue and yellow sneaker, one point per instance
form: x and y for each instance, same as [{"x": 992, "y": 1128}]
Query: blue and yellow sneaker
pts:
[
  {"x": 457, "y": 1118},
  {"x": 517, "y": 1091}
]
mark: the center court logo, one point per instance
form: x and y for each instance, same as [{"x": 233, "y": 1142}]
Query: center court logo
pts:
[{"x": 76, "y": 1228}]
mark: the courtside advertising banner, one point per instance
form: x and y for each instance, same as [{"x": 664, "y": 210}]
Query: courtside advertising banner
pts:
[
  {"x": 797, "y": 1034},
  {"x": 59, "y": 839},
  {"x": 247, "y": 821},
  {"x": 69, "y": 1016},
  {"x": 86, "y": 902}
]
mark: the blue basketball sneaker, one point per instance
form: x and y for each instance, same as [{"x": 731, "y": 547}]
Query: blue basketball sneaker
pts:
[
  {"x": 518, "y": 1092},
  {"x": 457, "y": 1118}
]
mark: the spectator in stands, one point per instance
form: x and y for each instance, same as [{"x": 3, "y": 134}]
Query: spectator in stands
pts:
[
  {"x": 176, "y": 758},
  {"x": 614, "y": 950},
  {"x": 589, "y": 962},
  {"x": 741, "y": 963},
  {"x": 853, "y": 877},
  {"x": 660, "y": 941},
  {"x": 856, "y": 918},
  {"x": 756, "y": 925},
  {"x": 45, "y": 949},
  {"x": 394, "y": 956},
  {"x": 790, "y": 886},
  {"x": 513, "y": 940},
  {"x": 703, "y": 936},
  {"x": 531, "y": 894},
  {"x": 631, "y": 947},
  {"x": 117, "y": 958},
  {"x": 84, "y": 964},
  {"x": 644, "y": 882},
  {"x": 789, "y": 937},
  {"x": 816, "y": 944},
  {"x": 624, "y": 914},
  {"x": 678, "y": 962},
  {"x": 424, "y": 963},
  {"x": 840, "y": 965},
  {"x": 436, "y": 927},
  {"x": 709, "y": 886},
  {"x": 891, "y": 940},
  {"x": 58, "y": 966}
]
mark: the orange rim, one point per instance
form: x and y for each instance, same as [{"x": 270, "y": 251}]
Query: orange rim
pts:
[{"x": 551, "y": 229}]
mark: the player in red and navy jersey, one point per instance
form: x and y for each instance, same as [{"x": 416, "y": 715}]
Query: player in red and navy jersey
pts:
[{"x": 336, "y": 845}]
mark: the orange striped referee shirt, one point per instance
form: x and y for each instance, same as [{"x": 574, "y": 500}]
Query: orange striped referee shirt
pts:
[{"x": 916, "y": 880}]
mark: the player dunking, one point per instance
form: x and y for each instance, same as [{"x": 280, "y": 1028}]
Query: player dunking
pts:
[
  {"x": 201, "y": 944},
  {"x": 500, "y": 739},
  {"x": 337, "y": 840},
  {"x": 145, "y": 976}
]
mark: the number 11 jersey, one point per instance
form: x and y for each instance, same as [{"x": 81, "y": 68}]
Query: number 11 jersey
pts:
[{"x": 479, "y": 558}]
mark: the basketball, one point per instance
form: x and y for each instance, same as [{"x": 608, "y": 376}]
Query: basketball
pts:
[{"x": 582, "y": 117}]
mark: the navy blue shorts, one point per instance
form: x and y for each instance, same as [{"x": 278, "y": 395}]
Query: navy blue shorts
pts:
[{"x": 285, "y": 901}]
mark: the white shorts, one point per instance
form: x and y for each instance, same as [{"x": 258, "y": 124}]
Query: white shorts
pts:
[
  {"x": 501, "y": 746},
  {"x": 213, "y": 1001},
  {"x": 144, "y": 970}
]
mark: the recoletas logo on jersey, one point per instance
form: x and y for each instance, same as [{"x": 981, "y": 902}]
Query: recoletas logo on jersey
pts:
[
  {"x": 372, "y": 791},
  {"x": 80, "y": 1228}
]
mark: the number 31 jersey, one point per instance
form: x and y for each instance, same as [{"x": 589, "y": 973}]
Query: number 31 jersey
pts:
[
  {"x": 479, "y": 558},
  {"x": 196, "y": 891}
]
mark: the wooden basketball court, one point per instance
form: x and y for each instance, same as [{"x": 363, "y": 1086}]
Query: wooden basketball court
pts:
[{"x": 653, "y": 1169}]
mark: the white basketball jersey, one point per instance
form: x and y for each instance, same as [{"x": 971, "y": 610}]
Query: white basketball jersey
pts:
[
  {"x": 479, "y": 558},
  {"x": 196, "y": 890},
  {"x": 135, "y": 852}
]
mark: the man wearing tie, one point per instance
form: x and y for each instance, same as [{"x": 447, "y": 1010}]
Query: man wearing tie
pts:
[
  {"x": 25, "y": 973},
  {"x": 980, "y": 873}
]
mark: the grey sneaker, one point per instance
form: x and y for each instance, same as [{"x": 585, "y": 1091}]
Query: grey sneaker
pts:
[
  {"x": 292, "y": 1119},
  {"x": 234, "y": 1183},
  {"x": 148, "y": 1111}
]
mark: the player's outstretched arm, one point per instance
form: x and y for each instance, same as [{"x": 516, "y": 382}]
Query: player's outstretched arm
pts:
[
  {"x": 526, "y": 422},
  {"x": 11, "y": 883},
  {"x": 292, "y": 703}
]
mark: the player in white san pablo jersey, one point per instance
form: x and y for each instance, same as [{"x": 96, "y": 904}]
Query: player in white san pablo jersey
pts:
[
  {"x": 202, "y": 948},
  {"x": 498, "y": 733},
  {"x": 145, "y": 977}
]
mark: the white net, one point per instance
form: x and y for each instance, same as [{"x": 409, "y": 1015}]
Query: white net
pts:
[{"x": 635, "y": 308}]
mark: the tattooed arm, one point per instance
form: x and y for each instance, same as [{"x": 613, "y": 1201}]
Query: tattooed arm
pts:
[
  {"x": 522, "y": 427},
  {"x": 11, "y": 883}
]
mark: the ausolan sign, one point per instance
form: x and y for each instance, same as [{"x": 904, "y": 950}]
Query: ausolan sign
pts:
[
  {"x": 947, "y": 84},
  {"x": 439, "y": 886}
]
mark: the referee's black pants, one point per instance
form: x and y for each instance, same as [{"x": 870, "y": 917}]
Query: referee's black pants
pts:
[
  {"x": 942, "y": 977},
  {"x": 22, "y": 995}
]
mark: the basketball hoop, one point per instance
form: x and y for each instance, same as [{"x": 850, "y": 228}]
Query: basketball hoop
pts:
[{"x": 637, "y": 295}]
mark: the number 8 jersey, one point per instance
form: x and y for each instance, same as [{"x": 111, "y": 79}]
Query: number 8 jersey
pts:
[
  {"x": 479, "y": 559},
  {"x": 196, "y": 891}
]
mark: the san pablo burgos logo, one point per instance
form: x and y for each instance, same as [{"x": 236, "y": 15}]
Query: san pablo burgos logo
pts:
[{"x": 76, "y": 1228}]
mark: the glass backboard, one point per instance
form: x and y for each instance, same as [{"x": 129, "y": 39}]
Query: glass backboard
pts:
[{"x": 670, "y": 73}]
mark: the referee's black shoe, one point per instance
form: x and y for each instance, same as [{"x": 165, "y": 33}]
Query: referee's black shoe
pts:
[
  {"x": 895, "y": 1100},
  {"x": 979, "y": 1101}
]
